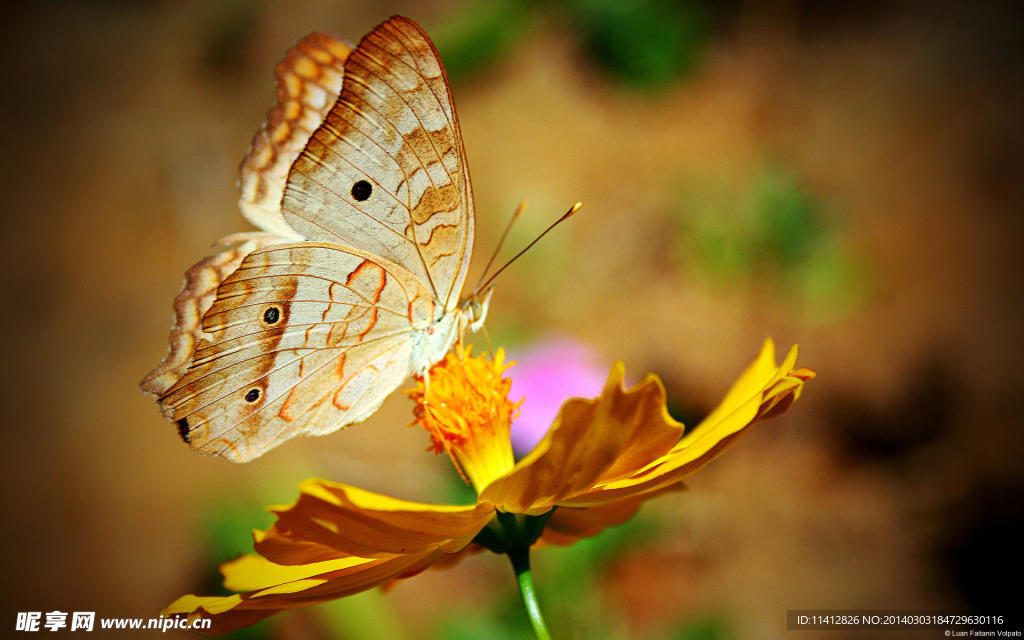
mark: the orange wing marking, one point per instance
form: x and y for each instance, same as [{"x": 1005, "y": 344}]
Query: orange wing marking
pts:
[
  {"x": 363, "y": 280},
  {"x": 285, "y": 412},
  {"x": 373, "y": 323}
]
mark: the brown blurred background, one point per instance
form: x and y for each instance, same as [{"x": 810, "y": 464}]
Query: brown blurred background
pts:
[{"x": 847, "y": 177}]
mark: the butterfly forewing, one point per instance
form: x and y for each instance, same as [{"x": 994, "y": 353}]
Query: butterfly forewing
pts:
[{"x": 386, "y": 171}]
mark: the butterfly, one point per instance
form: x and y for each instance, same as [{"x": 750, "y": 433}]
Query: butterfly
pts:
[{"x": 360, "y": 184}]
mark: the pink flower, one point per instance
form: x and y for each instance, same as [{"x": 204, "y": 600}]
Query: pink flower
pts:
[{"x": 546, "y": 375}]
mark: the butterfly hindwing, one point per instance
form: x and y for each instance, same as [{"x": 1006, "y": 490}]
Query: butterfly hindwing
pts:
[
  {"x": 298, "y": 331},
  {"x": 195, "y": 299}
]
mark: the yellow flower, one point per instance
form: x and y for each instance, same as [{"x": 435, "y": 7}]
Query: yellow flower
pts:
[{"x": 598, "y": 463}]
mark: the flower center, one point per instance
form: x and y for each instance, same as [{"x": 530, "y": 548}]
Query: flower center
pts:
[{"x": 464, "y": 406}]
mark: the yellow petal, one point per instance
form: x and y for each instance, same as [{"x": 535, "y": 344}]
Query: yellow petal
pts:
[
  {"x": 330, "y": 517},
  {"x": 591, "y": 441},
  {"x": 252, "y": 573},
  {"x": 298, "y": 587},
  {"x": 212, "y": 604},
  {"x": 763, "y": 390},
  {"x": 335, "y": 540}
]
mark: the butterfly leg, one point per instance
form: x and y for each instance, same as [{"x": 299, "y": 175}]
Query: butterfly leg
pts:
[{"x": 487, "y": 339}]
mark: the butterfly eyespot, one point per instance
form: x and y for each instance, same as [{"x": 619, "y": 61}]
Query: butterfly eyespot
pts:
[
  {"x": 183, "y": 430},
  {"x": 272, "y": 315},
  {"x": 253, "y": 395},
  {"x": 362, "y": 190}
]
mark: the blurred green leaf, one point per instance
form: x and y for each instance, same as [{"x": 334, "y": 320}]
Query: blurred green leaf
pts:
[
  {"x": 471, "y": 627},
  {"x": 702, "y": 628},
  {"x": 229, "y": 29},
  {"x": 644, "y": 43},
  {"x": 836, "y": 282},
  {"x": 791, "y": 223},
  {"x": 363, "y": 616},
  {"x": 227, "y": 533},
  {"x": 770, "y": 230},
  {"x": 479, "y": 34},
  {"x": 455, "y": 490},
  {"x": 719, "y": 251},
  {"x": 568, "y": 579},
  {"x": 227, "y": 528},
  {"x": 589, "y": 557}
]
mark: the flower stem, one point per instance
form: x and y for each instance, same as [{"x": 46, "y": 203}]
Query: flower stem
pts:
[{"x": 520, "y": 557}]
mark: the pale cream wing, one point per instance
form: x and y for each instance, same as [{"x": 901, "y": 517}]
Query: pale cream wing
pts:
[
  {"x": 386, "y": 171},
  {"x": 308, "y": 82},
  {"x": 194, "y": 300},
  {"x": 304, "y": 338}
]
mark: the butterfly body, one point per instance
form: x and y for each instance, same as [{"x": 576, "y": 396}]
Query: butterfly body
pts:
[{"x": 360, "y": 181}]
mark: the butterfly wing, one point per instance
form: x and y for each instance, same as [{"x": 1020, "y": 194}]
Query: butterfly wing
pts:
[
  {"x": 308, "y": 82},
  {"x": 307, "y": 338},
  {"x": 386, "y": 171},
  {"x": 194, "y": 300},
  {"x": 303, "y": 338}
]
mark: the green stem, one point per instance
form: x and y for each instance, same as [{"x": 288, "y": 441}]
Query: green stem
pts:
[{"x": 520, "y": 557}]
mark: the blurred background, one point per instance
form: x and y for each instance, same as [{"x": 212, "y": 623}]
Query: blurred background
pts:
[{"x": 849, "y": 177}]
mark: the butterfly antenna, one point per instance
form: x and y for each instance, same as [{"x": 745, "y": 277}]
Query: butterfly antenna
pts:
[
  {"x": 573, "y": 209},
  {"x": 501, "y": 242}
]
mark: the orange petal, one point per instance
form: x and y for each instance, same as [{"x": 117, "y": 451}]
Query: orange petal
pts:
[
  {"x": 763, "y": 390},
  {"x": 447, "y": 561},
  {"x": 569, "y": 524},
  {"x": 335, "y": 520},
  {"x": 289, "y": 587},
  {"x": 292, "y": 550},
  {"x": 591, "y": 441}
]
